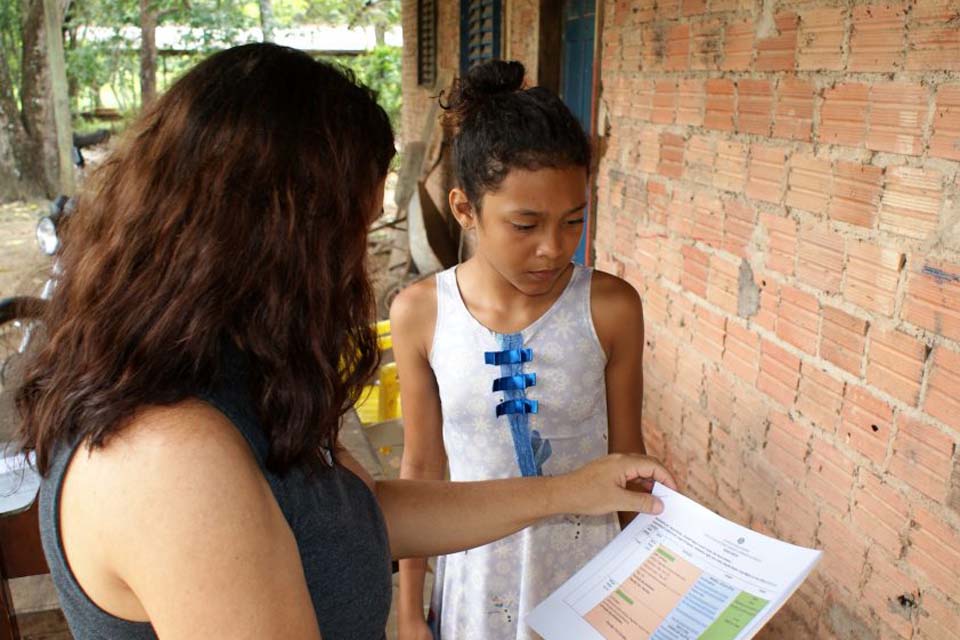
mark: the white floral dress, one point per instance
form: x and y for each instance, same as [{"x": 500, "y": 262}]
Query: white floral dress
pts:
[{"x": 548, "y": 416}]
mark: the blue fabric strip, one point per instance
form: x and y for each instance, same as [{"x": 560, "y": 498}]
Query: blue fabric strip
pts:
[
  {"x": 513, "y": 383},
  {"x": 511, "y": 361},
  {"x": 516, "y": 406},
  {"x": 509, "y": 356}
]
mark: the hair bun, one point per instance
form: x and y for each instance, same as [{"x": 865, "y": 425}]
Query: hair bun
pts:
[
  {"x": 481, "y": 82},
  {"x": 490, "y": 78}
]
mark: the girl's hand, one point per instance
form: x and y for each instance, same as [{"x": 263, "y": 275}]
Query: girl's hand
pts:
[
  {"x": 413, "y": 628},
  {"x": 600, "y": 486}
]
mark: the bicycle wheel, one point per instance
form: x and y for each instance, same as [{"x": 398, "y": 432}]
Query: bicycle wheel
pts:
[{"x": 16, "y": 314}]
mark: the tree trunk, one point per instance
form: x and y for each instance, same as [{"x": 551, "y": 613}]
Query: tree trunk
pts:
[
  {"x": 57, "y": 65},
  {"x": 267, "y": 22},
  {"x": 380, "y": 31},
  {"x": 41, "y": 154},
  {"x": 148, "y": 53}
]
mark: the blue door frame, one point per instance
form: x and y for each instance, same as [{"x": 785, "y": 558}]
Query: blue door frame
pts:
[{"x": 576, "y": 82}]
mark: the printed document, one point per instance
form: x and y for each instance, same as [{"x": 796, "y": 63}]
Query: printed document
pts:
[{"x": 686, "y": 574}]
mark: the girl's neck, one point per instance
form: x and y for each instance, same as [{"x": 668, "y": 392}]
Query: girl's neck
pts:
[{"x": 496, "y": 302}]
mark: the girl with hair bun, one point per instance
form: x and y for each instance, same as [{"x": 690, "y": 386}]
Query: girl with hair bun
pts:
[{"x": 517, "y": 362}]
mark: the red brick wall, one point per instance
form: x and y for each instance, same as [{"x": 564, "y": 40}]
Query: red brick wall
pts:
[{"x": 780, "y": 181}]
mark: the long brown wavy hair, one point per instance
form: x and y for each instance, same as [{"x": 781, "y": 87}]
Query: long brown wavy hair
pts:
[{"x": 235, "y": 211}]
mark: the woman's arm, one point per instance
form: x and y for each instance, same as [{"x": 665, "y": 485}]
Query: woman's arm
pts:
[
  {"x": 427, "y": 518},
  {"x": 618, "y": 318},
  {"x": 174, "y": 523},
  {"x": 412, "y": 321}
]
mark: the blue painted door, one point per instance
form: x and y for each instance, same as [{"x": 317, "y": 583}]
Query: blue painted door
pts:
[{"x": 576, "y": 82}]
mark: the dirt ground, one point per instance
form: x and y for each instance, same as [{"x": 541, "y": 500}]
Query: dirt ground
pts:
[{"x": 23, "y": 267}]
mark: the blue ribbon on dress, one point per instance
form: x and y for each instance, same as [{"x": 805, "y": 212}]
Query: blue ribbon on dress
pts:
[
  {"x": 515, "y": 383},
  {"x": 508, "y": 356},
  {"x": 516, "y": 406},
  {"x": 530, "y": 448}
]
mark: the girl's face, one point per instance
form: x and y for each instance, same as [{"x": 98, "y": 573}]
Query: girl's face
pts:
[{"x": 530, "y": 227}]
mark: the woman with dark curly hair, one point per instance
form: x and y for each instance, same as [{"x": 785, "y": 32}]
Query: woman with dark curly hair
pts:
[{"x": 208, "y": 333}]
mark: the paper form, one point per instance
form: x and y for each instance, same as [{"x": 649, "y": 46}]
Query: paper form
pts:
[{"x": 687, "y": 574}]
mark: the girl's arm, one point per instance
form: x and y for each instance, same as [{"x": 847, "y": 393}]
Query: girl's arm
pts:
[
  {"x": 618, "y": 318},
  {"x": 412, "y": 321}
]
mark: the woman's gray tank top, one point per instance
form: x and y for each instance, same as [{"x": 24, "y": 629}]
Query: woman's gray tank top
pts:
[{"x": 335, "y": 519}]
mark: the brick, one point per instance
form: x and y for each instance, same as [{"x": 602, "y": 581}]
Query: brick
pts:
[
  {"x": 821, "y": 39},
  {"x": 689, "y": 374},
  {"x": 855, "y": 194},
  {"x": 691, "y": 98},
  {"x": 938, "y": 617},
  {"x": 664, "y": 102},
  {"x": 886, "y": 588},
  {"x": 942, "y": 399},
  {"x": 738, "y": 225},
  {"x": 720, "y": 105},
  {"x": 779, "y": 373},
  {"x": 945, "y": 139},
  {"x": 898, "y": 113},
  {"x": 798, "y": 320},
  {"x": 820, "y": 257},
  {"x": 843, "y": 116},
  {"x": 758, "y": 493},
  {"x": 872, "y": 275},
  {"x": 671, "y": 155},
  {"x": 866, "y": 423},
  {"x": 719, "y": 399},
  {"x": 895, "y": 364},
  {"x": 830, "y": 475},
  {"x": 658, "y": 202},
  {"x": 933, "y": 40},
  {"x": 667, "y": 9},
  {"x": 794, "y": 113},
  {"x": 671, "y": 261},
  {"x": 742, "y": 354},
  {"x": 881, "y": 512},
  {"x": 754, "y": 106},
  {"x": 782, "y": 242},
  {"x": 738, "y": 46},
  {"x": 639, "y": 104},
  {"x": 706, "y": 43},
  {"x": 653, "y": 50},
  {"x": 696, "y": 433},
  {"x": 843, "y": 339},
  {"x": 796, "y": 518},
  {"x": 778, "y": 53},
  {"x": 693, "y": 7},
  {"x": 769, "y": 303},
  {"x": 700, "y": 158},
  {"x": 708, "y": 332},
  {"x": 935, "y": 549},
  {"x": 877, "y": 40},
  {"x": 933, "y": 298},
  {"x": 810, "y": 183},
  {"x": 723, "y": 287},
  {"x": 911, "y": 201},
  {"x": 696, "y": 264},
  {"x": 678, "y": 48},
  {"x": 922, "y": 457},
  {"x": 648, "y": 150},
  {"x": 646, "y": 254},
  {"x": 767, "y": 175},
  {"x": 681, "y": 219},
  {"x": 708, "y": 219},
  {"x": 731, "y": 167},
  {"x": 786, "y": 446},
  {"x": 844, "y": 555},
  {"x": 820, "y": 398}
]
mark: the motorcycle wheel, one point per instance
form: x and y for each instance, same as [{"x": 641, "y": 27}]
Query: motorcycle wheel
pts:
[{"x": 16, "y": 314}]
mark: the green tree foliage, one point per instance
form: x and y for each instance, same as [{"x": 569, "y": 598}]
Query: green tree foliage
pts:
[{"x": 379, "y": 69}]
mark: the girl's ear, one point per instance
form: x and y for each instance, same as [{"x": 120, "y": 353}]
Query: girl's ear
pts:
[{"x": 462, "y": 209}]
